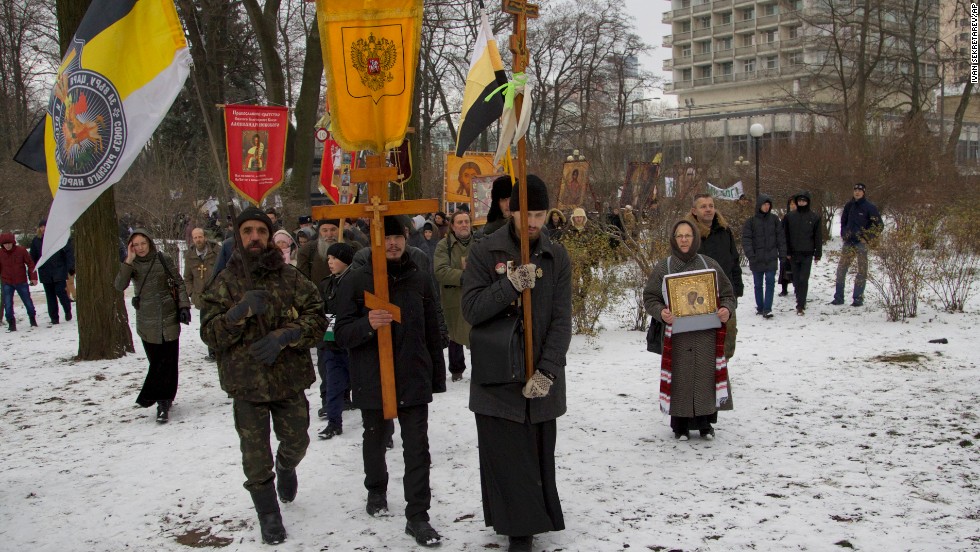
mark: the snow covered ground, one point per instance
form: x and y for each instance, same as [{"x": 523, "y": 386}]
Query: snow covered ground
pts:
[{"x": 830, "y": 446}]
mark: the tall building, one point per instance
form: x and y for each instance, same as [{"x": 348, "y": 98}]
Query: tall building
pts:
[
  {"x": 736, "y": 55},
  {"x": 954, "y": 25}
]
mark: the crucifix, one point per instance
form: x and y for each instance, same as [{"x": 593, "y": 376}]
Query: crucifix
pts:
[
  {"x": 377, "y": 176},
  {"x": 522, "y": 10},
  {"x": 203, "y": 269}
]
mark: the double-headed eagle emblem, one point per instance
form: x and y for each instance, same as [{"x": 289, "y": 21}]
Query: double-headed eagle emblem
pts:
[{"x": 373, "y": 59}]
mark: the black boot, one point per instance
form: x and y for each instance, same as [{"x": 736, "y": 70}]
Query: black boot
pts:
[
  {"x": 33, "y": 321},
  {"x": 270, "y": 520},
  {"x": 286, "y": 483},
  {"x": 11, "y": 325},
  {"x": 163, "y": 412},
  {"x": 520, "y": 544},
  {"x": 423, "y": 533}
]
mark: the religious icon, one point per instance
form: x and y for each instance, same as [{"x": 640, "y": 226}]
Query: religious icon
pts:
[
  {"x": 574, "y": 183},
  {"x": 253, "y": 142},
  {"x": 460, "y": 172},
  {"x": 692, "y": 293},
  {"x": 482, "y": 188},
  {"x": 466, "y": 173},
  {"x": 640, "y": 188}
]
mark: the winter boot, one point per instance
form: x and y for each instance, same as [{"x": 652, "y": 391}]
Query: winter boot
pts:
[
  {"x": 377, "y": 504},
  {"x": 423, "y": 533},
  {"x": 68, "y": 313},
  {"x": 33, "y": 321},
  {"x": 286, "y": 484},
  {"x": 270, "y": 520},
  {"x": 330, "y": 431},
  {"x": 520, "y": 544},
  {"x": 11, "y": 325},
  {"x": 163, "y": 412}
]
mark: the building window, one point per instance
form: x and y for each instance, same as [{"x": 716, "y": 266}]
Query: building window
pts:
[
  {"x": 794, "y": 32},
  {"x": 686, "y": 75},
  {"x": 748, "y": 14},
  {"x": 724, "y": 44},
  {"x": 704, "y": 47},
  {"x": 772, "y": 62},
  {"x": 747, "y": 40},
  {"x": 686, "y": 51},
  {"x": 770, "y": 9},
  {"x": 726, "y": 18},
  {"x": 704, "y": 22},
  {"x": 685, "y": 27},
  {"x": 768, "y": 37},
  {"x": 704, "y": 72},
  {"x": 726, "y": 68},
  {"x": 795, "y": 58},
  {"x": 748, "y": 66},
  {"x": 796, "y": 5},
  {"x": 685, "y": 3}
]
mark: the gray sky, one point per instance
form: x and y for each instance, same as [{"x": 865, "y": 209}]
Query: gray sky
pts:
[{"x": 646, "y": 15}]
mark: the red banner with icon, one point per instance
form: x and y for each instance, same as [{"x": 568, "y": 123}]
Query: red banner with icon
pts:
[
  {"x": 255, "y": 139},
  {"x": 331, "y": 168}
]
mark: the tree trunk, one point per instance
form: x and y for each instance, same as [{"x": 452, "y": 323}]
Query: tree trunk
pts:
[
  {"x": 306, "y": 107},
  {"x": 103, "y": 324},
  {"x": 954, "y": 133}
]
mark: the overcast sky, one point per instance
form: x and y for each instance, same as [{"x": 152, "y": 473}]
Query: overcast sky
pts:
[{"x": 646, "y": 15}]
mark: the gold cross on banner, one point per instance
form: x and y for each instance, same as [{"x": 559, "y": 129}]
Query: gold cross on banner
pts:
[{"x": 377, "y": 176}]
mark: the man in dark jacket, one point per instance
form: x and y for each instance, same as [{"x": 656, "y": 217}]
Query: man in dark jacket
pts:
[
  {"x": 499, "y": 213},
  {"x": 53, "y": 274},
  {"x": 333, "y": 362},
  {"x": 16, "y": 269},
  {"x": 420, "y": 371},
  {"x": 764, "y": 243},
  {"x": 804, "y": 245},
  {"x": 516, "y": 420},
  {"x": 262, "y": 324},
  {"x": 860, "y": 222},
  {"x": 718, "y": 242}
]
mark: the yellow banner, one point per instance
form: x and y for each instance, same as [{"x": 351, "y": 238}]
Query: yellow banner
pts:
[{"x": 370, "y": 52}]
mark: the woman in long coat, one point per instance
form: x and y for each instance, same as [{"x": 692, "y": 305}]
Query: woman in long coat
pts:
[
  {"x": 158, "y": 316},
  {"x": 690, "y": 394}
]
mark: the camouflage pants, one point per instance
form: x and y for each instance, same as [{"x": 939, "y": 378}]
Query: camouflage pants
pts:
[{"x": 290, "y": 421}]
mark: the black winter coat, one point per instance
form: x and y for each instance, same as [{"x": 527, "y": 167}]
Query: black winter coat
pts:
[
  {"x": 803, "y": 233},
  {"x": 420, "y": 368},
  {"x": 487, "y": 293},
  {"x": 763, "y": 238},
  {"x": 58, "y": 266},
  {"x": 718, "y": 242}
]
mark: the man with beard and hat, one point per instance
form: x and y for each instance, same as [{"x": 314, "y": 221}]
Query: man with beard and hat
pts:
[
  {"x": 262, "y": 316},
  {"x": 450, "y": 261},
  {"x": 804, "y": 246},
  {"x": 694, "y": 372},
  {"x": 499, "y": 212},
  {"x": 718, "y": 242},
  {"x": 419, "y": 370},
  {"x": 516, "y": 419},
  {"x": 312, "y": 257}
]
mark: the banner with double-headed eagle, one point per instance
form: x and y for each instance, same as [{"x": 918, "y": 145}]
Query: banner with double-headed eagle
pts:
[
  {"x": 125, "y": 66},
  {"x": 370, "y": 52},
  {"x": 255, "y": 141}
]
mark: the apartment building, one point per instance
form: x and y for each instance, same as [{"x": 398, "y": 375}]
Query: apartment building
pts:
[
  {"x": 735, "y": 55},
  {"x": 954, "y": 25}
]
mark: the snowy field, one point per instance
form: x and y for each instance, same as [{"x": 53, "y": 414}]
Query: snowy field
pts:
[{"x": 832, "y": 445}]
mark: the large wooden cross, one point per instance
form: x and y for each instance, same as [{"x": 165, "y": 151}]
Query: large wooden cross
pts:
[
  {"x": 377, "y": 176},
  {"x": 522, "y": 10}
]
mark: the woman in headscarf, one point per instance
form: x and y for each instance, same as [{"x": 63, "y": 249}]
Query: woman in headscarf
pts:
[
  {"x": 285, "y": 244},
  {"x": 694, "y": 373},
  {"x": 161, "y": 303}
]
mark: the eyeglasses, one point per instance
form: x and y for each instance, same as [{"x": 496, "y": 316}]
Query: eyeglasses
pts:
[{"x": 684, "y": 237}]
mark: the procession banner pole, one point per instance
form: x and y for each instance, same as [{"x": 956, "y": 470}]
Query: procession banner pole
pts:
[{"x": 522, "y": 10}]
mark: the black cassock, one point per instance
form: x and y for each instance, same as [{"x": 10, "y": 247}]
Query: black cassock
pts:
[{"x": 517, "y": 476}]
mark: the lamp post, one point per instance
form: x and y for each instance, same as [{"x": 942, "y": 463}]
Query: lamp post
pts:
[
  {"x": 689, "y": 103},
  {"x": 756, "y": 131}
]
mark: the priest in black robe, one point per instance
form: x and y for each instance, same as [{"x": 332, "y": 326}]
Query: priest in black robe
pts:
[{"x": 515, "y": 415}]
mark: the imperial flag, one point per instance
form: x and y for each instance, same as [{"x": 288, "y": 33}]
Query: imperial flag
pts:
[
  {"x": 370, "y": 52},
  {"x": 486, "y": 75},
  {"x": 124, "y": 68}
]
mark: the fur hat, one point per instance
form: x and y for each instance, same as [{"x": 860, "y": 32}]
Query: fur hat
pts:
[
  {"x": 579, "y": 212},
  {"x": 306, "y": 219},
  {"x": 537, "y": 195},
  {"x": 252, "y": 213},
  {"x": 501, "y": 189},
  {"x": 341, "y": 251}
]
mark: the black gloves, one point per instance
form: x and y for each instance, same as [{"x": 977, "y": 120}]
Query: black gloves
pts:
[
  {"x": 266, "y": 350},
  {"x": 184, "y": 316},
  {"x": 255, "y": 302}
]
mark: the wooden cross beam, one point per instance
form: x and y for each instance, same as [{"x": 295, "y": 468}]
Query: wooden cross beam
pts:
[
  {"x": 377, "y": 176},
  {"x": 522, "y": 10}
]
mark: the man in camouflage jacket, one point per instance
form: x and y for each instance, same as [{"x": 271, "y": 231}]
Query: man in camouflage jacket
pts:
[{"x": 262, "y": 335}]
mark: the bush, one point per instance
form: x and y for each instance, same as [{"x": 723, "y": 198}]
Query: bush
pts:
[
  {"x": 954, "y": 265},
  {"x": 898, "y": 275}
]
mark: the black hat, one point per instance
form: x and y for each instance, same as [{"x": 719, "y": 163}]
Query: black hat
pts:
[
  {"x": 859, "y": 186},
  {"x": 253, "y": 213},
  {"x": 341, "y": 251},
  {"x": 394, "y": 226},
  {"x": 537, "y": 195},
  {"x": 306, "y": 219},
  {"x": 502, "y": 188},
  {"x": 335, "y": 222},
  {"x": 44, "y": 222}
]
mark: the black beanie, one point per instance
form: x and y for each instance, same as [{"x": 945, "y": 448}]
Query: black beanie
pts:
[
  {"x": 335, "y": 222},
  {"x": 341, "y": 251},
  {"x": 253, "y": 213},
  {"x": 537, "y": 195},
  {"x": 394, "y": 226}
]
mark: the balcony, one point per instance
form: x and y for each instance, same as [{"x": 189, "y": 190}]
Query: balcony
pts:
[
  {"x": 683, "y": 13},
  {"x": 744, "y": 25},
  {"x": 768, "y": 21},
  {"x": 743, "y": 51},
  {"x": 681, "y": 38},
  {"x": 767, "y": 47},
  {"x": 737, "y": 3},
  {"x": 723, "y": 29},
  {"x": 721, "y": 5},
  {"x": 724, "y": 78},
  {"x": 668, "y": 65},
  {"x": 702, "y": 82},
  {"x": 789, "y": 17},
  {"x": 702, "y": 58},
  {"x": 702, "y": 8},
  {"x": 678, "y": 61},
  {"x": 792, "y": 43},
  {"x": 677, "y": 85},
  {"x": 702, "y": 33},
  {"x": 668, "y": 41},
  {"x": 745, "y": 76},
  {"x": 667, "y": 17}
]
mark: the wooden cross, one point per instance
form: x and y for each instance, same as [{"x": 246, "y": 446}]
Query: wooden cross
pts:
[
  {"x": 377, "y": 176},
  {"x": 522, "y": 10}
]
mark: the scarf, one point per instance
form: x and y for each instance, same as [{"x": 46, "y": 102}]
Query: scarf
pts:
[{"x": 721, "y": 370}]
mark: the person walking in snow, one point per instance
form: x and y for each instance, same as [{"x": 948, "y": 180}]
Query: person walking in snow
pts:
[
  {"x": 54, "y": 274},
  {"x": 764, "y": 243},
  {"x": 804, "y": 246},
  {"x": 16, "y": 269},
  {"x": 161, "y": 304},
  {"x": 694, "y": 371},
  {"x": 262, "y": 316}
]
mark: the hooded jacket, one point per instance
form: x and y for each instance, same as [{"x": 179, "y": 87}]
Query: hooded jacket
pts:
[
  {"x": 804, "y": 234},
  {"x": 763, "y": 238},
  {"x": 58, "y": 267},
  {"x": 16, "y": 265},
  {"x": 156, "y": 319},
  {"x": 292, "y": 246}
]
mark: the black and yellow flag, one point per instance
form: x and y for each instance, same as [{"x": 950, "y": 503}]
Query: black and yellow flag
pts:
[
  {"x": 370, "y": 52},
  {"x": 486, "y": 75}
]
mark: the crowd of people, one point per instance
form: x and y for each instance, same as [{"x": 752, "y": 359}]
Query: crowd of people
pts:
[{"x": 267, "y": 296}]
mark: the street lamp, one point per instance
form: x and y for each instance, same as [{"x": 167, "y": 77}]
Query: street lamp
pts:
[{"x": 756, "y": 131}]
